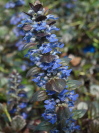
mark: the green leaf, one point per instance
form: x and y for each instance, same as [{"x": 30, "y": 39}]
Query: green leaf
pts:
[
  {"x": 39, "y": 96},
  {"x": 79, "y": 113},
  {"x": 65, "y": 61},
  {"x": 18, "y": 123},
  {"x": 73, "y": 84},
  {"x": 44, "y": 126}
]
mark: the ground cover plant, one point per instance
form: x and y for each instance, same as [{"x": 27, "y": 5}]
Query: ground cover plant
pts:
[{"x": 78, "y": 21}]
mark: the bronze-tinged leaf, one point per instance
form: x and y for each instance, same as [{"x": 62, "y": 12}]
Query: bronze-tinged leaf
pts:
[
  {"x": 47, "y": 58},
  {"x": 29, "y": 45},
  {"x": 28, "y": 14},
  {"x": 27, "y": 27},
  {"x": 51, "y": 22},
  {"x": 39, "y": 96},
  {"x": 73, "y": 84},
  {"x": 18, "y": 123},
  {"x": 31, "y": 5},
  {"x": 40, "y": 18},
  {"x": 41, "y": 34},
  {"x": 56, "y": 85},
  {"x": 33, "y": 71},
  {"x": 37, "y": 7},
  {"x": 63, "y": 113}
]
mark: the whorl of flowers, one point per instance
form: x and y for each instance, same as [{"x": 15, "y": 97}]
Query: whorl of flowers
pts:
[{"x": 49, "y": 71}]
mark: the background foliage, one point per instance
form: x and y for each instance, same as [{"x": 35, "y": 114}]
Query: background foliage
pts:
[{"x": 78, "y": 21}]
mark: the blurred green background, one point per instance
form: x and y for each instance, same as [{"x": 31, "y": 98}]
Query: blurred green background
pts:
[{"x": 79, "y": 30}]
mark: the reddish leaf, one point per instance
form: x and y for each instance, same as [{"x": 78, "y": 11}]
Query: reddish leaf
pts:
[
  {"x": 47, "y": 58},
  {"x": 42, "y": 34},
  {"x": 56, "y": 85},
  {"x": 40, "y": 18},
  {"x": 37, "y": 7},
  {"x": 51, "y": 22},
  {"x": 27, "y": 27}
]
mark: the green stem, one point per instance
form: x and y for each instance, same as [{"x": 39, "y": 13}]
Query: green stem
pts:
[{"x": 7, "y": 114}]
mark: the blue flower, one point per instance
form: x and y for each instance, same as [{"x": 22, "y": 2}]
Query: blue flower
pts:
[
  {"x": 16, "y": 18},
  {"x": 90, "y": 49},
  {"x": 39, "y": 26},
  {"x": 20, "y": 44},
  {"x": 50, "y": 92},
  {"x": 50, "y": 16},
  {"x": 10, "y": 5},
  {"x": 22, "y": 95},
  {"x": 28, "y": 36},
  {"x": 50, "y": 104},
  {"x": 51, "y": 117},
  {"x": 62, "y": 95},
  {"x": 54, "y": 131},
  {"x": 22, "y": 105},
  {"x": 52, "y": 38},
  {"x": 18, "y": 32},
  {"x": 13, "y": 111},
  {"x": 45, "y": 48},
  {"x": 24, "y": 115}
]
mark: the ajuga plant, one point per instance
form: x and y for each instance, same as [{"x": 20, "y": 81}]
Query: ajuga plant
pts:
[
  {"x": 49, "y": 71},
  {"x": 16, "y": 18},
  {"x": 14, "y": 112}
]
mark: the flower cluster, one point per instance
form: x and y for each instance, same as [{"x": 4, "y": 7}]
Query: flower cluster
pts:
[
  {"x": 49, "y": 71},
  {"x": 13, "y": 4},
  {"x": 17, "y": 97},
  {"x": 15, "y": 19}
]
